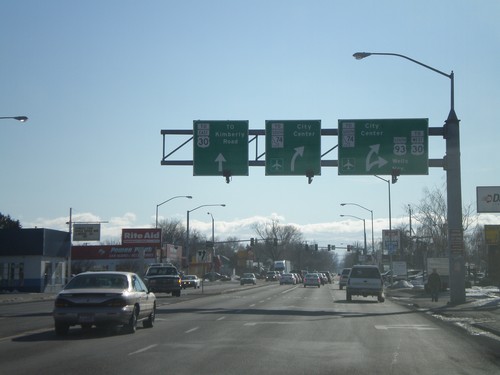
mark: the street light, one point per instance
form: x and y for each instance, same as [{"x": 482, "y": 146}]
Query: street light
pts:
[
  {"x": 364, "y": 227},
  {"x": 453, "y": 186},
  {"x": 371, "y": 212},
  {"x": 187, "y": 225},
  {"x": 18, "y": 118},
  {"x": 168, "y": 200}
]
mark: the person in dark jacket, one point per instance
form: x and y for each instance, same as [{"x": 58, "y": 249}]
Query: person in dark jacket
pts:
[{"x": 434, "y": 284}]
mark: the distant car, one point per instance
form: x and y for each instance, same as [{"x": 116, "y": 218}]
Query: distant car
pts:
[
  {"x": 248, "y": 278},
  {"x": 365, "y": 280},
  {"x": 343, "y": 278},
  {"x": 312, "y": 279},
  {"x": 328, "y": 276},
  {"x": 287, "y": 278},
  {"x": 104, "y": 299},
  {"x": 214, "y": 276},
  {"x": 323, "y": 278},
  {"x": 272, "y": 276},
  {"x": 190, "y": 281}
]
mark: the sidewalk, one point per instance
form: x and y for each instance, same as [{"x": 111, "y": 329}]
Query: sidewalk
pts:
[{"x": 481, "y": 310}]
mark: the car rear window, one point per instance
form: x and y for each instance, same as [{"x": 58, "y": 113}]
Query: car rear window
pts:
[{"x": 365, "y": 273}]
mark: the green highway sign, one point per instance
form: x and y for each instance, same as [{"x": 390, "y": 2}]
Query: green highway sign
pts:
[
  {"x": 220, "y": 148},
  {"x": 293, "y": 147},
  {"x": 373, "y": 147}
]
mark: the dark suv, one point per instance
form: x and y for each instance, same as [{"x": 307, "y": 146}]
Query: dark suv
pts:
[
  {"x": 365, "y": 281},
  {"x": 163, "y": 278}
]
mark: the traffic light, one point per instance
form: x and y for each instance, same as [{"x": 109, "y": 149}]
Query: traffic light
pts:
[
  {"x": 395, "y": 174},
  {"x": 252, "y": 241},
  {"x": 316, "y": 247},
  {"x": 349, "y": 247},
  {"x": 333, "y": 247},
  {"x": 329, "y": 247}
]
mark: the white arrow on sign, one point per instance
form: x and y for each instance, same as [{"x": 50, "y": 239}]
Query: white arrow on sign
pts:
[
  {"x": 299, "y": 151},
  {"x": 379, "y": 161},
  {"x": 220, "y": 159}
]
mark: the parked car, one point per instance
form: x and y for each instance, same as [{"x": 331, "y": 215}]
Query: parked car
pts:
[
  {"x": 287, "y": 278},
  {"x": 343, "y": 278},
  {"x": 365, "y": 280},
  {"x": 104, "y": 299},
  {"x": 248, "y": 278},
  {"x": 312, "y": 279},
  {"x": 190, "y": 281}
]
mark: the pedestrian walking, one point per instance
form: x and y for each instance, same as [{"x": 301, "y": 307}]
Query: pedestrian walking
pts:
[{"x": 434, "y": 284}]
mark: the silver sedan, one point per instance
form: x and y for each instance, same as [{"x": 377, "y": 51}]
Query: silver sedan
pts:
[{"x": 104, "y": 299}]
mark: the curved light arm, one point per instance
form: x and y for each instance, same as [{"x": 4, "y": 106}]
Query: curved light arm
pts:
[
  {"x": 18, "y": 118},
  {"x": 451, "y": 76},
  {"x": 168, "y": 200}
]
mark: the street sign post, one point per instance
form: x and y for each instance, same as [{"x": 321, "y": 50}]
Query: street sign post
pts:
[
  {"x": 377, "y": 147},
  {"x": 293, "y": 147},
  {"x": 220, "y": 148}
]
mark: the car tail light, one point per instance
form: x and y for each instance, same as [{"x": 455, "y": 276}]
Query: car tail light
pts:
[
  {"x": 61, "y": 302},
  {"x": 116, "y": 302}
]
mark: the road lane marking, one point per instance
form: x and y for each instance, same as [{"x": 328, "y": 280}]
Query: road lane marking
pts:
[
  {"x": 221, "y": 318},
  {"x": 252, "y": 305},
  {"x": 192, "y": 330},
  {"x": 143, "y": 349},
  {"x": 418, "y": 327}
]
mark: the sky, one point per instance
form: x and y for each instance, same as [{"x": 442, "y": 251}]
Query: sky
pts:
[{"x": 99, "y": 80}]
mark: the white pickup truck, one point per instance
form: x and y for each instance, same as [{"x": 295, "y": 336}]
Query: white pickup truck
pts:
[{"x": 365, "y": 280}]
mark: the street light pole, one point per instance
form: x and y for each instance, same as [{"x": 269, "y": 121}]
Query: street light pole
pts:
[
  {"x": 364, "y": 228},
  {"x": 453, "y": 186},
  {"x": 168, "y": 200},
  {"x": 187, "y": 226},
  {"x": 213, "y": 231},
  {"x": 371, "y": 213}
]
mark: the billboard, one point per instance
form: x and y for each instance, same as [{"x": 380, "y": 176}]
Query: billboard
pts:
[
  {"x": 141, "y": 237},
  {"x": 86, "y": 232},
  {"x": 488, "y": 199}
]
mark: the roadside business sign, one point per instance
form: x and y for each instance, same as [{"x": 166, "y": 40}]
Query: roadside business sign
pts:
[
  {"x": 86, "y": 232},
  {"x": 220, "y": 148},
  {"x": 488, "y": 199},
  {"x": 293, "y": 147},
  {"x": 391, "y": 240},
  {"x": 377, "y": 147},
  {"x": 141, "y": 236}
]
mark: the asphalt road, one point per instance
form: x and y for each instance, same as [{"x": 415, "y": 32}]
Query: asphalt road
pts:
[{"x": 270, "y": 329}]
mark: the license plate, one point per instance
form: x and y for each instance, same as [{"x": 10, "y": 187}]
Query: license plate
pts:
[{"x": 86, "y": 318}]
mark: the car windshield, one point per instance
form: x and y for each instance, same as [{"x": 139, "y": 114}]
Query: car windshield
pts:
[
  {"x": 248, "y": 275},
  {"x": 98, "y": 281}
]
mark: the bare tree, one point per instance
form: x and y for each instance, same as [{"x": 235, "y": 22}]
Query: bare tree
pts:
[
  {"x": 431, "y": 215},
  {"x": 278, "y": 239}
]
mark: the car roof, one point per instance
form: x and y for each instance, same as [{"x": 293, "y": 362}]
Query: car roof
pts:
[{"x": 123, "y": 273}]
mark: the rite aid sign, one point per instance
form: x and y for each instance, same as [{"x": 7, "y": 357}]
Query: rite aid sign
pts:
[{"x": 143, "y": 237}]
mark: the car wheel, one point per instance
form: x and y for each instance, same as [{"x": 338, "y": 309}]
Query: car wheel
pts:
[
  {"x": 61, "y": 329},
  {"x": 319, "y": 286},
  {"x": 304, "y": 285},
  {"x": 381, "y": 299},
  {"x": 341, "y": 287},
  {"x": 132, "y": 323},
  {"x": 348, "y": 297},
  {"x": 149, "y": 322},
  {"x": 177, "y": 294}
]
